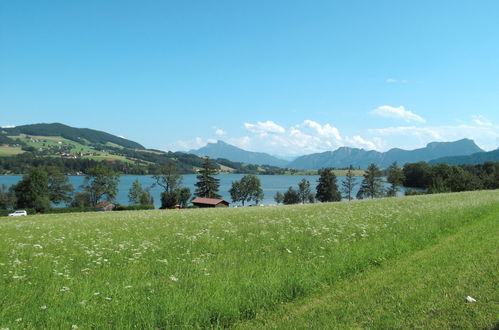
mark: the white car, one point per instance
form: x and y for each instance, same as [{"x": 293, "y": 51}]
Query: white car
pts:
[{"x": 18, "y": 213}]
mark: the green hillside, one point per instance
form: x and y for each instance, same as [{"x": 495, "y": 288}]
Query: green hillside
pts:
[
  {"x": 397, "y": 262},
  {"x": 71, "y": 149},
  {"x": 80, "y": 135},
  {"x": 476, "y": 158}
]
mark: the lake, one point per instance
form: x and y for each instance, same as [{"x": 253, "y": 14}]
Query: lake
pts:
[{"x": 269, "y": 183}]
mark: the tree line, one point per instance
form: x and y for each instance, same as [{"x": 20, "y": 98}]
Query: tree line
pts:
[
  {"x": 44, "y": 186},
  {"x": 140, "y": 162},
  {"x": 377, "y": 183},
  {"x": 327, "y": 189}
]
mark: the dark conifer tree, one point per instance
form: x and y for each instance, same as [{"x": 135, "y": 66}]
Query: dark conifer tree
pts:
[{"x": 207, "y": 185}]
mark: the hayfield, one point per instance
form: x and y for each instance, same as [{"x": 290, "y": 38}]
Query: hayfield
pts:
[{"x": 293, "y": 266}]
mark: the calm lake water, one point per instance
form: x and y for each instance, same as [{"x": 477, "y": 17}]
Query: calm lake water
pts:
[{"x": 270, "y": 184}]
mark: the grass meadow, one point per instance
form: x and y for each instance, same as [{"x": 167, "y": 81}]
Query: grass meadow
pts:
[{"x": 395, "y": 262}]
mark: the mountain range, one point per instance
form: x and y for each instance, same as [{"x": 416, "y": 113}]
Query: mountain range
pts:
[
  {"x": 463, "y": 151},
  {"x": 344, "y": 156},
  {"x": 221, "y": 149}
]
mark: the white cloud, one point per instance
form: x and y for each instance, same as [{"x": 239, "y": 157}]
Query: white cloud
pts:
[
  {"x": 326, "y": 130},
  {"x": 220, "y": 132},
  {"x": 482, "y": 121},
  {"x": 358, "y": 142},
  {"x": 264, "y": 128},
  {"x": 9, "y": 126},
  {"x": 186, "y": 145},
  {"x": 121, "y": 136},
  {"x": 304, "y": 138},
  {"x": 485, "y": 136},
  {"x": 400, "y": 113},
  {"x": 408, "y": 130}
]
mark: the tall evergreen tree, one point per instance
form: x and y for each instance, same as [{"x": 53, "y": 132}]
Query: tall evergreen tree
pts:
[
  {"x": 207, "y": 185},
  {"x": 327, "y": 189},
  {"x": 395, "y": 176},
  {"x": 371, "y": 186},
  {"x": 348, "y": 185}
]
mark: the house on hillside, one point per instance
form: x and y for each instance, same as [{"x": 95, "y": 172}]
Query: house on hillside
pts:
[
  {"x": 209, "y": 202},
  {"x": 105, "y": 206}
]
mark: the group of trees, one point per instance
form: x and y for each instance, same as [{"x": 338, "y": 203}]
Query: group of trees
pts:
[
  {"x": 46, "y": 185},
  {"x": 327, "y": 189},
  {"x": 43, "y": 186},
  {"x": 451, "y": 178}
]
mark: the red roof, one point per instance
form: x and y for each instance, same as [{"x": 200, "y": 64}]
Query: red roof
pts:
[
  {"x": 103, "y": 204},
  {"x": 208, "y": 201}
]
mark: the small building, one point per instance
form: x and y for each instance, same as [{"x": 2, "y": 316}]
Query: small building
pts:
[
  {"x": 209, "y": 202},
  {"x": 105, "y": 206}
]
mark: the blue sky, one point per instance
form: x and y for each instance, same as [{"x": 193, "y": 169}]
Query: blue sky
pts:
[{"x": 284, "y": 77}]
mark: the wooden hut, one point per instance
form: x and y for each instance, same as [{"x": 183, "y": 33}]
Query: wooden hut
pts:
[{"x": 209, "y": 202}]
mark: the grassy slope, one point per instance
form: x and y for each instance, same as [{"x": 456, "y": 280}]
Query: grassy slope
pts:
[
  {"x": 425, "y": 290},
  {"x": 121, "y": 269},
  {"x": 10, "y": 151},
  {"x": 52, "y": 141}
]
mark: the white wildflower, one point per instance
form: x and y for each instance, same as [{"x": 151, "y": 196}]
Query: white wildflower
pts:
[
  {"x": 288, "y": 250},
  {"x": 173, "y": 278},
  {"x": 44, "y": 307}
]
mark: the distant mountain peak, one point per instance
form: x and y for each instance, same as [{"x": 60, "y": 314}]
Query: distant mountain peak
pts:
[
  {"x": 221, "y": 149},
  {"x": 345, "y": 156}
]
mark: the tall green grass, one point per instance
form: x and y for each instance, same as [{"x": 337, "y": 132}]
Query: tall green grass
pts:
[{"x": 207, "y": 267}]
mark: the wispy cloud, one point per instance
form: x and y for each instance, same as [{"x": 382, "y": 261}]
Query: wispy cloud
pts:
[
  {"x": 264, "y": 128},
  {"x": 482, "y": 121},
  {"x": 396, "y": 81},
  {"x": 304, "y": 138},
  {"x": 8, "y": 126},
  {"x": 398, "y": 113},
  {"x": 486, "y": 136},
  {"x": 220, "y": 132}
]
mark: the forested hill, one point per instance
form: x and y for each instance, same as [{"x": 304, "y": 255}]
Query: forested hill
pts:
[
  {"x": 80, "y": 135},
  {"x": 75, "y": 150},
  {"x": 476, "y": 158}
]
